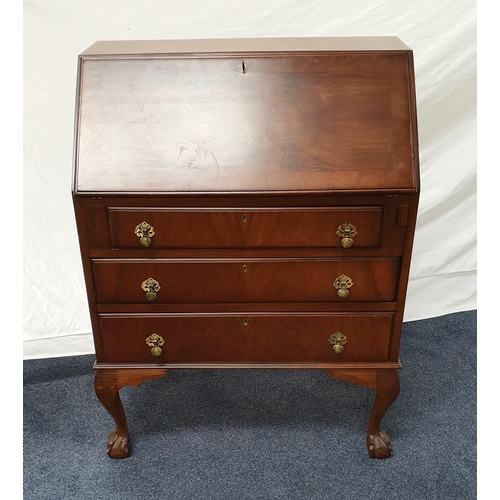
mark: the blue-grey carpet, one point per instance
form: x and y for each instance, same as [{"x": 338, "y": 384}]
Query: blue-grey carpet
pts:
[{"x": 251, "y": 434}]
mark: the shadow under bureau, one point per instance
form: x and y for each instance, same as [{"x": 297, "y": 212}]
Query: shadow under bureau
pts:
[{"x": 246, "y": 203}]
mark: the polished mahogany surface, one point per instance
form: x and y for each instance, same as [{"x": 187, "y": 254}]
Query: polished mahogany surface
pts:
[
  {"x": 214, "y": 182},
  {"x": 250, "y": 338},
  {"x": 196, "y": 281},
  {"x": 267, "y": 122},
  {"x": 245, "y": 228}
]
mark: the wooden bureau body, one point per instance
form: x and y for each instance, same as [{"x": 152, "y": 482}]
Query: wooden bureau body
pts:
[{"x": 246, "y": 204}]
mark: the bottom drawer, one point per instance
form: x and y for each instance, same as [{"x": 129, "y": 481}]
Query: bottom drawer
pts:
[{"x": 246, "y": 338}]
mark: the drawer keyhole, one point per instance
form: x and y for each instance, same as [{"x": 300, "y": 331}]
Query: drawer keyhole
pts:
[
  {"x": 244, "y": 268},
  {"x": 244, "y": 217},
  {"x": 245, "y": 322}
]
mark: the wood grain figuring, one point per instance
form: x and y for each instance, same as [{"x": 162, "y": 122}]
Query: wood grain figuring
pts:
[
  {"x": 246, "y": 156},
  {"x": 317, "y": 122},
  {"x": 246, "y": 338},
  {"x": 245, "y": 228},
  {"x": 190, "y": 281},
  {"x": 286, "y": 213}
]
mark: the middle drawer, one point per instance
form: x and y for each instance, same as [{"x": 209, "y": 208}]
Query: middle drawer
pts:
[{"x": 206, "y": 281}]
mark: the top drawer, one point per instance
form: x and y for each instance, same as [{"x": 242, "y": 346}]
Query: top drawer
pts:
[{"x": 244, "y": 228}]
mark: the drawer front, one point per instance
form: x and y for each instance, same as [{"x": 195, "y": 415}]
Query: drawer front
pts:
[
  {"x": 240, "y": 228},
  {"x": 294, "y": 338},
  {"x": 237, "y": 281}
]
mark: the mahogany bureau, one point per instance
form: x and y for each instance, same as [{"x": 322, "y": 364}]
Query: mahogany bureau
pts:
[{"x": 246, "y": 203}]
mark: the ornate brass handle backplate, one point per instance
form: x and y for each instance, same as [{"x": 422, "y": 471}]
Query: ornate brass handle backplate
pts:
[
  {"x": 151, "y": 287},
  {"x": 155, "y": 342},
  {"x": 144, "y": 232},
  {"x": 338, "y": 342},
  {"x": 342, "y": 283},
  {"x": 347, "y": 232}
]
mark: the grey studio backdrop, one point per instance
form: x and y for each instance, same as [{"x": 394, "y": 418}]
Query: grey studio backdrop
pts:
[{"x": 442, "y": 36}]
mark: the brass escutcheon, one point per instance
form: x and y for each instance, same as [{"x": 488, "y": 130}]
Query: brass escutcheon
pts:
[
  {"x": 155, "y": 342},
  {"x": 151, "y": 287},
  {"x": 347, "y": 232},
  {"x": 144, "y": 232},
  {"x": 342, "y": 283},
  {"x": 338, "y": 341}
]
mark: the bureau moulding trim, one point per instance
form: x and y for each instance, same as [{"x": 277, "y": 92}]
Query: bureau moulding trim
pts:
[
  {"x": 227, "y": 194},
  {"x": 248, "y": 54},
  {"x": 250, "y": 366},
  {"x": 247, "y": 314}
]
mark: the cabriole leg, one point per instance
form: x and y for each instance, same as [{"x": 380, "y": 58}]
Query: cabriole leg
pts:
[
  {"x": 107, "y": 384},
  {"x": 387, "y": 387},
  {"x": 386, "y": 384}
]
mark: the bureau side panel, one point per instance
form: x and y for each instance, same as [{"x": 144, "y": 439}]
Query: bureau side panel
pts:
[
  {"x": 85, "y": 222},
  {"x": 404, "y": 276},
  {"x": 411, "y": 218}
]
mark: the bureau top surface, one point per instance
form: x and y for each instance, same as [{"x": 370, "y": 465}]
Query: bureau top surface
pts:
[
  {"x": 246, "y": 115},
  {"x": 238, "y": 45}
]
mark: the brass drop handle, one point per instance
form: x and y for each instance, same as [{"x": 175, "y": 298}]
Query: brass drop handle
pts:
[
  {"x": 155, "y": 342},
  {"x": 338, "y": 342},
  {"x": 144, "y": 232},
  {"x": 342, "y": 283},
  {"x": 151, "y": 287},
  {"x": 346, "y": 232}
]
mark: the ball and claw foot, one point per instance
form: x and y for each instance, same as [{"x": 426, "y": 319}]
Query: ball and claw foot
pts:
[
  {"x": 118, "y": 446},
  {"x": 385, "y": 381},
  {"x": 107, "y": 384},
  {"x": 379, "y": 445}
]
